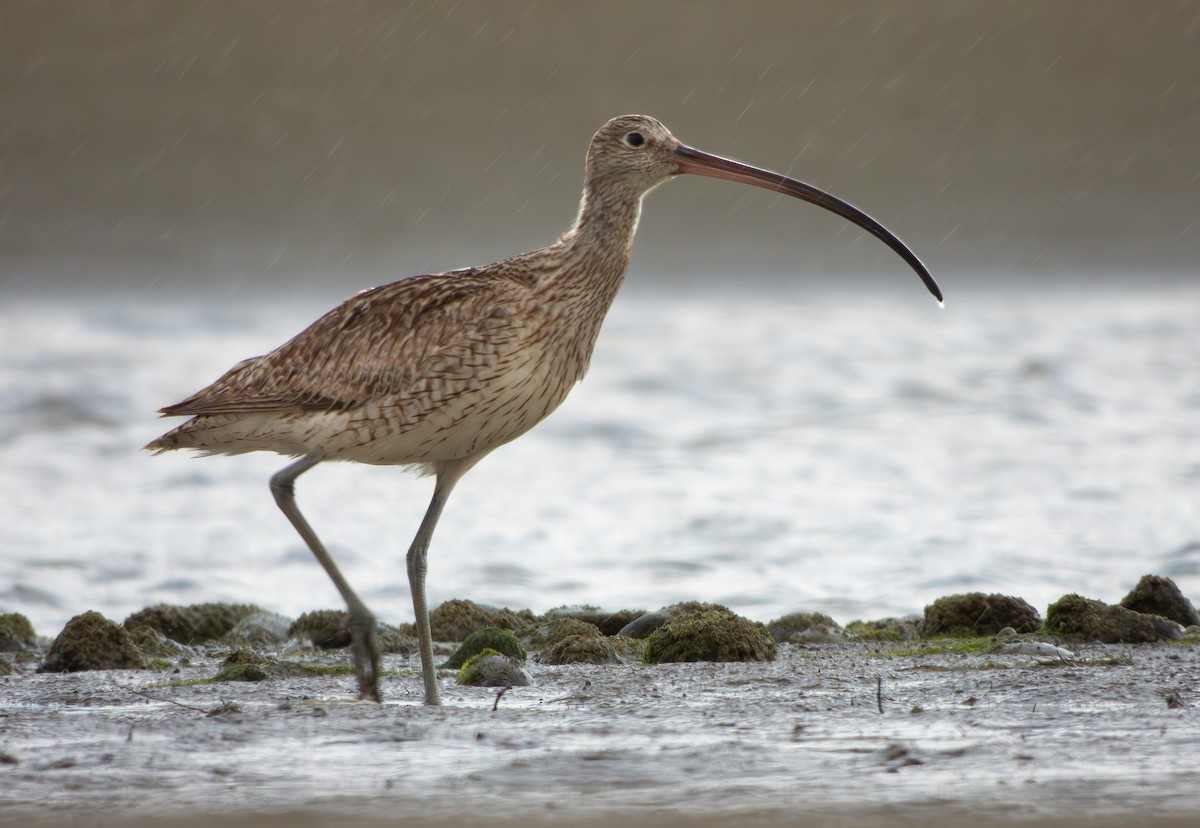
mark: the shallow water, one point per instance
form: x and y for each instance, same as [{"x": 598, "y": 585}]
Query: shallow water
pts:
[{"x": 856, "y": 455}]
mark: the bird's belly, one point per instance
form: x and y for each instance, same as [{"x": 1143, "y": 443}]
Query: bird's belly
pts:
[{"x": 460, "y": 425}]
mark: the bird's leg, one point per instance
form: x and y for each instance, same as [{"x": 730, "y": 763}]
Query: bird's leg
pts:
[
  {"x": 362, "y": 621},
  {"x": 447, "y": 475}
]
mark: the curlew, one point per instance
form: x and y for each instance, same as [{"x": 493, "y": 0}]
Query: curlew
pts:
[{"x": 435, "y": 371}]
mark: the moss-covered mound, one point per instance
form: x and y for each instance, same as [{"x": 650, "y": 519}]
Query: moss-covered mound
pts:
[
  {"x": 194, "y": 624},
  {"x": 456, "y": 619},
  {"x": 974, "y": 613},
  {"x": 330, "y": 630},
  {"x": 16, "y": 633},
  {"x": 794, "y": 623},
  {"x": 646, "y": 623},
  {"x": 1156, "y": 595},
  {"x": 1085, "y": 619},
  {"x": 242, "y": 665},
  {"x": 541, "y": 635},
  {"x": 491, "y": 639},
  {"x": 327, "y": 629},
  {"x": 709, "y": 635},
  {"x": 582, "y": 649},
  {"x": 884, "y": 629},
  {"x": 92, "y": 642}
]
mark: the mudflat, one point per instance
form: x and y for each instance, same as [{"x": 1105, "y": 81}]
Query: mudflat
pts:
[{"x": 929, "y": 732}]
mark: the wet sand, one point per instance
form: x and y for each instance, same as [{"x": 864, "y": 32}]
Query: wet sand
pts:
[{"x": 845, "y": 734}]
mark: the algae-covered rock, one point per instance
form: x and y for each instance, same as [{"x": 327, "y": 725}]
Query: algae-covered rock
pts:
[
  {"x": 92, "y": 642},
  {"x": 151, "y": 642},
  {"x": 541, "y": 635},
  {"x": 193, "y": 624},
  {"x": 491, "y": 639},
  {"x": 456, "y": 619},
  {"x": 327, "y": 629},
  {"x": 648, "y": 622},
  {"x": 390, "y": 639},
  {"x": 16, "y": 633},
  {"x": 259, "y": 629},
  {"x": 6, "y": 667},
  {"x": 885, "y": 629},
  {"x": 492, "y": 669},
  {"x": 1156, "y": 595},
  {"x": 1085, "y": 619},
  {"x": 709, "y": 635},
  {"x": 242, "y": 665},
  {"x": 582, "y": 649},
  {"x": 974, "y": 613},
  {"x": 787, "y": 627}
]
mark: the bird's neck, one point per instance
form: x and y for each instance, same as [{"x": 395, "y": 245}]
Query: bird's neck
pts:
[{"x": 597, "y": 246}]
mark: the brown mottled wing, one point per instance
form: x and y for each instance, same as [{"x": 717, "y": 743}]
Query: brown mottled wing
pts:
[{"x": 390, "y": 345}]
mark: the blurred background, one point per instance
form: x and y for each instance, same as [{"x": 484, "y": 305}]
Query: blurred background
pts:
[
  {"x": 151, "y": 145},
  {"x": 185, "y": 184}
]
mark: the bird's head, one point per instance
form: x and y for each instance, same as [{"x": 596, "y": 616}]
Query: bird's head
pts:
[{"x": 635, "y": 153}]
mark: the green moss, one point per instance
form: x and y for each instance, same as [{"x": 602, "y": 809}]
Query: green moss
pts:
[
  {"x": 940, "y": 646},
  {"x": 488, "y": 639},
  {"x": 6, "y": 667},
  {"x": 328, "y": 669},
  {"x": 468, "y": 672},
  {"x": 709, "y": 635},
  {"x": 241, "y": 672}
]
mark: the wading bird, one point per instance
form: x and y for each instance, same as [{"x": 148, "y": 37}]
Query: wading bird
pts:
[{"x": 435, "y": 371}]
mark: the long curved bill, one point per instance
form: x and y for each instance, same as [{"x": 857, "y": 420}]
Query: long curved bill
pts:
[{"x": 695, "y": 162}]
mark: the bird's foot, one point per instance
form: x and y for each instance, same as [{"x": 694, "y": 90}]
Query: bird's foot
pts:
[{"x": 366, "y": 658}]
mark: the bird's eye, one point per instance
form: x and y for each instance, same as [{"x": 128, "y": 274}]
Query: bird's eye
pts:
[{"x": 635, "y": 139}]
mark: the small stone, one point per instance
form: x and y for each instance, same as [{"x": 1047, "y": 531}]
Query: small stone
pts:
[
  {"x": 92, "y": 642},
  {"x": 492, "y": 669},
  {"x": 975, "y": 613},
  {"x": 1085, "y": 619},
  {"x": 1156, "y": 595}
]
